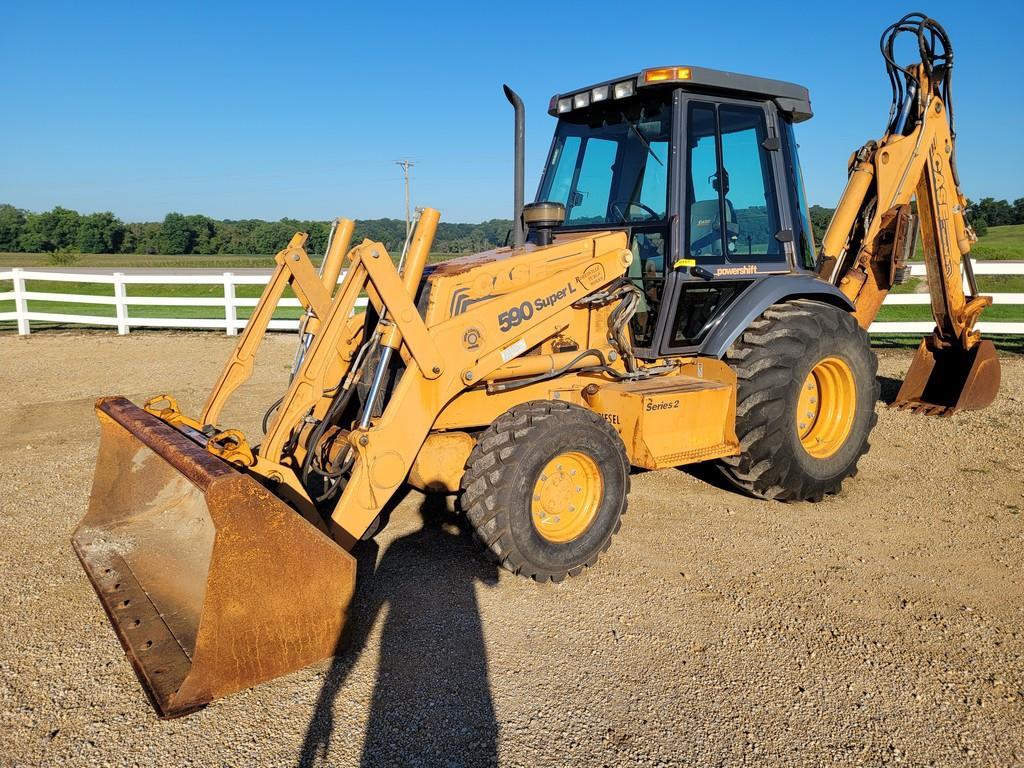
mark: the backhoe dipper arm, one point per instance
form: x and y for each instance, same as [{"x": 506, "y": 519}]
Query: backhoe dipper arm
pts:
[
  {"x": 874, "y": 230},
  {"x": 872, "y": 233}
]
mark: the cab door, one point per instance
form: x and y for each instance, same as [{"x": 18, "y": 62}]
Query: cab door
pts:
[{"x": 732, "y": 229}]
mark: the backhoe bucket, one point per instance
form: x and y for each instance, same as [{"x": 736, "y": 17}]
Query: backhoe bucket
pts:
[
  {"x": 211, "y": 582},
  {"x": 943, "y": 381}
]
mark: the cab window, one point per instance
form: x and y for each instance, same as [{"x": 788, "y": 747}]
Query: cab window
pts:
[
  {"x": 732, "y": 211},
  {"x": 654, "y": 182},
  {"x": 609, "y": 163},
  {"x": 589, "y": 199},
  {"x": 647, "y": 272}
]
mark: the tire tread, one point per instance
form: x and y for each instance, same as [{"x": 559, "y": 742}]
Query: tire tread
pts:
[
  {"x": 763, "y": 358},
  {"x": 488, "y": 475}
]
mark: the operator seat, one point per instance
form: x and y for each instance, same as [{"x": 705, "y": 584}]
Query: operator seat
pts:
[{"x": 706, "y": 227}]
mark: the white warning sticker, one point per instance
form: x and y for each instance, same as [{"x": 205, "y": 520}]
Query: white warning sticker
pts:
[{"x": 513, "y": 350}]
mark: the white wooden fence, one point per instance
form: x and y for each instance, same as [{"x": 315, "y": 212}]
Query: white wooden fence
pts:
[
  {"x": 985, "y": 326},
  {"x": 122, "y": 299},
  {"x": 229, "y": 302}
]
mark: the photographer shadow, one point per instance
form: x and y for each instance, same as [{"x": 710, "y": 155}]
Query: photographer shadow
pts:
[{"x": 432, "y": 701}]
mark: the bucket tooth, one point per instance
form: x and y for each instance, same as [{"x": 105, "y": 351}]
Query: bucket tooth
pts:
[
  {"x": 942, "y": 381},
  {"x": 212, "y": 583}
]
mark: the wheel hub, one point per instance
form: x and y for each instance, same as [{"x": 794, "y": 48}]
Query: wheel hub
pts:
[
  {"x": 826, "y": 407},
  {"x": 566, "y": 496}
]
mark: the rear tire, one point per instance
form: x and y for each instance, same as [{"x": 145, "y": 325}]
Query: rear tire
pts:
[
  {"x": 545, "y": 488},
  {"x": 801, "y": 368}
]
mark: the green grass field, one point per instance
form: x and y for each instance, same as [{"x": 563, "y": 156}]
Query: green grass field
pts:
[
  {"x": 1005, "y": 243},
  {"x": 133, "y": 260},
  {"x": 1000, "y": 243}
]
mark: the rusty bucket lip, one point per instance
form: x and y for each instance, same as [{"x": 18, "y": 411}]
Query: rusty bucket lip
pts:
[
  {"x": 162, "y": 680},
  {"x": 161, "y": 702}
]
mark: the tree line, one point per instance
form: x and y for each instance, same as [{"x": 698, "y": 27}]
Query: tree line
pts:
[
  {"x": 62, "y": 229},
  {"x": 987, "y": 212}
]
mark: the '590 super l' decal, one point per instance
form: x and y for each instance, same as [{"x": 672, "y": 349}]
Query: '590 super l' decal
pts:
[{"x": 513, "y": 316}]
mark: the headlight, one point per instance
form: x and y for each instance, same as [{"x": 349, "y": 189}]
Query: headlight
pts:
[{"x": 624, "y": 89}]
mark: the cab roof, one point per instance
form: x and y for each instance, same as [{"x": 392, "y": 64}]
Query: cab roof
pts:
[{"x": 792, "y": 99}]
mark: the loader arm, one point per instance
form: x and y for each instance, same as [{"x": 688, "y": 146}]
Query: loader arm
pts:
[
  {"x": 386, "y": 447},
  {"x": 874, "y": 231}
]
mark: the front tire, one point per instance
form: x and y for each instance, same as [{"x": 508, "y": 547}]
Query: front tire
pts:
[
  {"x": 805, "y": 402},
  {"x": 545, "y": 488}
]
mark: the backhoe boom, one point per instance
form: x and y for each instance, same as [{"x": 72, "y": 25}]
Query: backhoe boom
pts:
[{"x": 874, "y": 231}]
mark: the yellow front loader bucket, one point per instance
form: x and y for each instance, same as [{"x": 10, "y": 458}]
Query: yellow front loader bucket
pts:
[{"x": 211, "y": 582}]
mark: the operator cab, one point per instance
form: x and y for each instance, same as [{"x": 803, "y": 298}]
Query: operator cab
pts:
[{"x": 700, "y": 168}]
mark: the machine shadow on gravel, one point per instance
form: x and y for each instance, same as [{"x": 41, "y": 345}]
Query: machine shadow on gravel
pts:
[
  {"x": 887, "y": 389},
  {"x": 432, "y": 698}
]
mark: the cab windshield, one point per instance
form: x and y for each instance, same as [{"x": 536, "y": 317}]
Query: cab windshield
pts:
[{"x": 609, "y": 163}]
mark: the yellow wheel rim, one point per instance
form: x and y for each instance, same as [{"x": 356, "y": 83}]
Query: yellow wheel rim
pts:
[
  {"x": 566, "y": 497},
  {"x": 827, "y": 405}
]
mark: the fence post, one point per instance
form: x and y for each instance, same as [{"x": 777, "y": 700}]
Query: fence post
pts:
[
  {"x": 120, "y": 307},
  {"x": 230, "y": 311},
  {"x": 20, "y": 302}
]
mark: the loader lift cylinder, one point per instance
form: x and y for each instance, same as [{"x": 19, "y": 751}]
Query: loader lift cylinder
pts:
[{"x": 416, "y": 260}]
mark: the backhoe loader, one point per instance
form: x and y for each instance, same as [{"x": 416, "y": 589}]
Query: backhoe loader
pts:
[{"x": 661, "y": 304}]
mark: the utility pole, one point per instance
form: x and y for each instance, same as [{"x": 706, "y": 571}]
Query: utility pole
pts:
[{"x": 406, "y": 165}]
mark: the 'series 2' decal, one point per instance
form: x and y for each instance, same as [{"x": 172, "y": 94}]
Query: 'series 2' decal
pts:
[
  {"x": 662, "y": 406},
  {"x": 513, "y": 316}
]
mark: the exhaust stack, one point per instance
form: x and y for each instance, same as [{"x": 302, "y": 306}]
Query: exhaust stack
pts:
[{"x": 518, "y": 231}]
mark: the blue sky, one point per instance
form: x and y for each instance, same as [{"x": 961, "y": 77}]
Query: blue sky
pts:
[{"x": 300, "y": 109}]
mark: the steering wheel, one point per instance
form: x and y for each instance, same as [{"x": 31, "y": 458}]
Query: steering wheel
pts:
[{"x": 617, "y": 208}]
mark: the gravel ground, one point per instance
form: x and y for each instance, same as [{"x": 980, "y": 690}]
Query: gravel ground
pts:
[{"x": 885, "y": 625}]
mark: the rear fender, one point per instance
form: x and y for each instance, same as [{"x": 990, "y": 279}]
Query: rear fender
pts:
[{"x": 772, "y": 290}]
